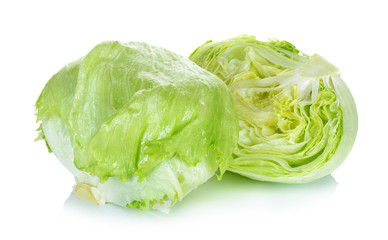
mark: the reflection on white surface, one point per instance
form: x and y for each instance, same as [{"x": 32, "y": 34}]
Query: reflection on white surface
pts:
[{"x": 232, "y": 193}]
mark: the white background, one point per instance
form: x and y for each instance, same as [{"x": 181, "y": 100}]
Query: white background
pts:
[{"x": 38, "y": 38}]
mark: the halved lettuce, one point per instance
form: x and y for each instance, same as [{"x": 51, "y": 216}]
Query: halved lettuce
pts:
[
  {"x": 138, "y": 125},
  {"x": 298, "y": 120}
]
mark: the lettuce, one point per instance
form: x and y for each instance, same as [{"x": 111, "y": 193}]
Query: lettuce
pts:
[
  {"x": 297, "y": 118},
  {"x": 137, "y": 125}
]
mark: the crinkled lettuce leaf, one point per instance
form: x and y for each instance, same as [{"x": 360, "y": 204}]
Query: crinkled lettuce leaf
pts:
[
  {"x": 139, "y": 124},
  {"x": 298, "y": 119}
]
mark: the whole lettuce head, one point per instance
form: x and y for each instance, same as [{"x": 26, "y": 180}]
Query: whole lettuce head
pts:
[
  {"x": 298, "y": 120},
  {"x": 137, "y": 125}
]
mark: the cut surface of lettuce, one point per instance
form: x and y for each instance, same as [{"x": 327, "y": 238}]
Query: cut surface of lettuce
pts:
[
  {"x": 139, "y": 124},
  {"x": 298, "y": 120}
]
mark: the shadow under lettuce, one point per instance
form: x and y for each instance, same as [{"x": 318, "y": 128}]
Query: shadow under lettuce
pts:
[
  {"x": 232, "y": 193},
  {"x": 234, "y": 190}
]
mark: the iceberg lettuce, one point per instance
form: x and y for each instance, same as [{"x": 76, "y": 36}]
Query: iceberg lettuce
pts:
[
  {"x": 298, "y": 119},
  {"x": 137, "y": 125}
]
